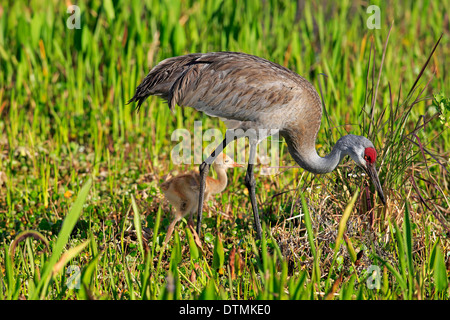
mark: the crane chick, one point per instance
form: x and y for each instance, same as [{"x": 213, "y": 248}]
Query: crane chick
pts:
[{"x": 183, "y": 190}]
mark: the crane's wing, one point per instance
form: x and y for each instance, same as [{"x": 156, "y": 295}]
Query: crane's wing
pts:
[{"x": 230, "y": 85}]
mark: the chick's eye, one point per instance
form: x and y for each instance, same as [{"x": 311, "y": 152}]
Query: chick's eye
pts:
[{"x": 367, "y": 158}]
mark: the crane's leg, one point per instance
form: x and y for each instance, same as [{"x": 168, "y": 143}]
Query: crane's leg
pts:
[
  {"x": 204, "y": 168},
  {"x": 250, "y": 182}
]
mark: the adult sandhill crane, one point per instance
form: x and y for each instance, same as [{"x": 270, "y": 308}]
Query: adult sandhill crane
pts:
[
  {"x": 253, "y": 94},
  {"x": 182, "y": 191}
]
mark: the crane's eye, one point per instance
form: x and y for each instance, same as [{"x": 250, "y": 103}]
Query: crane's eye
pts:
[{"x": 370, "y": 155}]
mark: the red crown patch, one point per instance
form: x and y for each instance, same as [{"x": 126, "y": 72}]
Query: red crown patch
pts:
[{"x": 370, "y": 155}]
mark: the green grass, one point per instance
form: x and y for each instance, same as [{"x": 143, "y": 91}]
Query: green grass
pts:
[{"x": 80, "y": 169}]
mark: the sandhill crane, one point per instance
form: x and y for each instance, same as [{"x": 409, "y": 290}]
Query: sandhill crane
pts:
[
  {"x": 182, "y": 191},
  {"x": 252, "y": 93}
]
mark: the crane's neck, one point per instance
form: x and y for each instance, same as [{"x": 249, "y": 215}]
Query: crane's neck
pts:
[
  {"x": 219, "y": 184},
  {"x": 305, "y": 154}
]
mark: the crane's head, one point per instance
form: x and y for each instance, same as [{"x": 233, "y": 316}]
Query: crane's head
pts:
[
  {"x": 225, "y": 161},
  {"x": 362, "y": 151}
]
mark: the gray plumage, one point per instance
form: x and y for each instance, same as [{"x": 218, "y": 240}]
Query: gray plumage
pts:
[{"x": 250, "y": 92}]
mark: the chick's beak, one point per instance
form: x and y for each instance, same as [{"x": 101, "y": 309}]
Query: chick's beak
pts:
[{"x": 372, "y": 172}]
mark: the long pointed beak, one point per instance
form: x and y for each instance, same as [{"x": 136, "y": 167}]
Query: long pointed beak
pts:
[
  {"x": 372, "y": 172},
  {"x": 237, "y": 165}
]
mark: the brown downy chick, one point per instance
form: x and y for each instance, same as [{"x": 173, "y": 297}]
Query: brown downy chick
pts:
[{"x": 182, "y": 191}]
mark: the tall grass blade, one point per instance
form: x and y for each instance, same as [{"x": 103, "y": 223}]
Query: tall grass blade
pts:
[
  {"x": 63, "y": 237},
  {"x": 193, "y": 249},
  {"x": 342, "y": 226},
  {"x": 67, "y": 256},
  {"x": 344, "y": 219},
  {"x": 408, "y": 244},
  {"x": 310, "y": 234},
  {"x": 88, "y": 277},
  {"x": 440, "y": 271},
  {"x": 11, "y": 282},
  {"x": 424, "y": 66},
  {"x": 218, "y": 254},
  {"x": 137, "y": 225}
]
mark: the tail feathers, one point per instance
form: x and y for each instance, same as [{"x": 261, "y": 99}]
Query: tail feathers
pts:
[
  {"x": 167, "y": 80},
  {"x": 149, "y": 86},
  {"x": 140, "y": 101}
]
